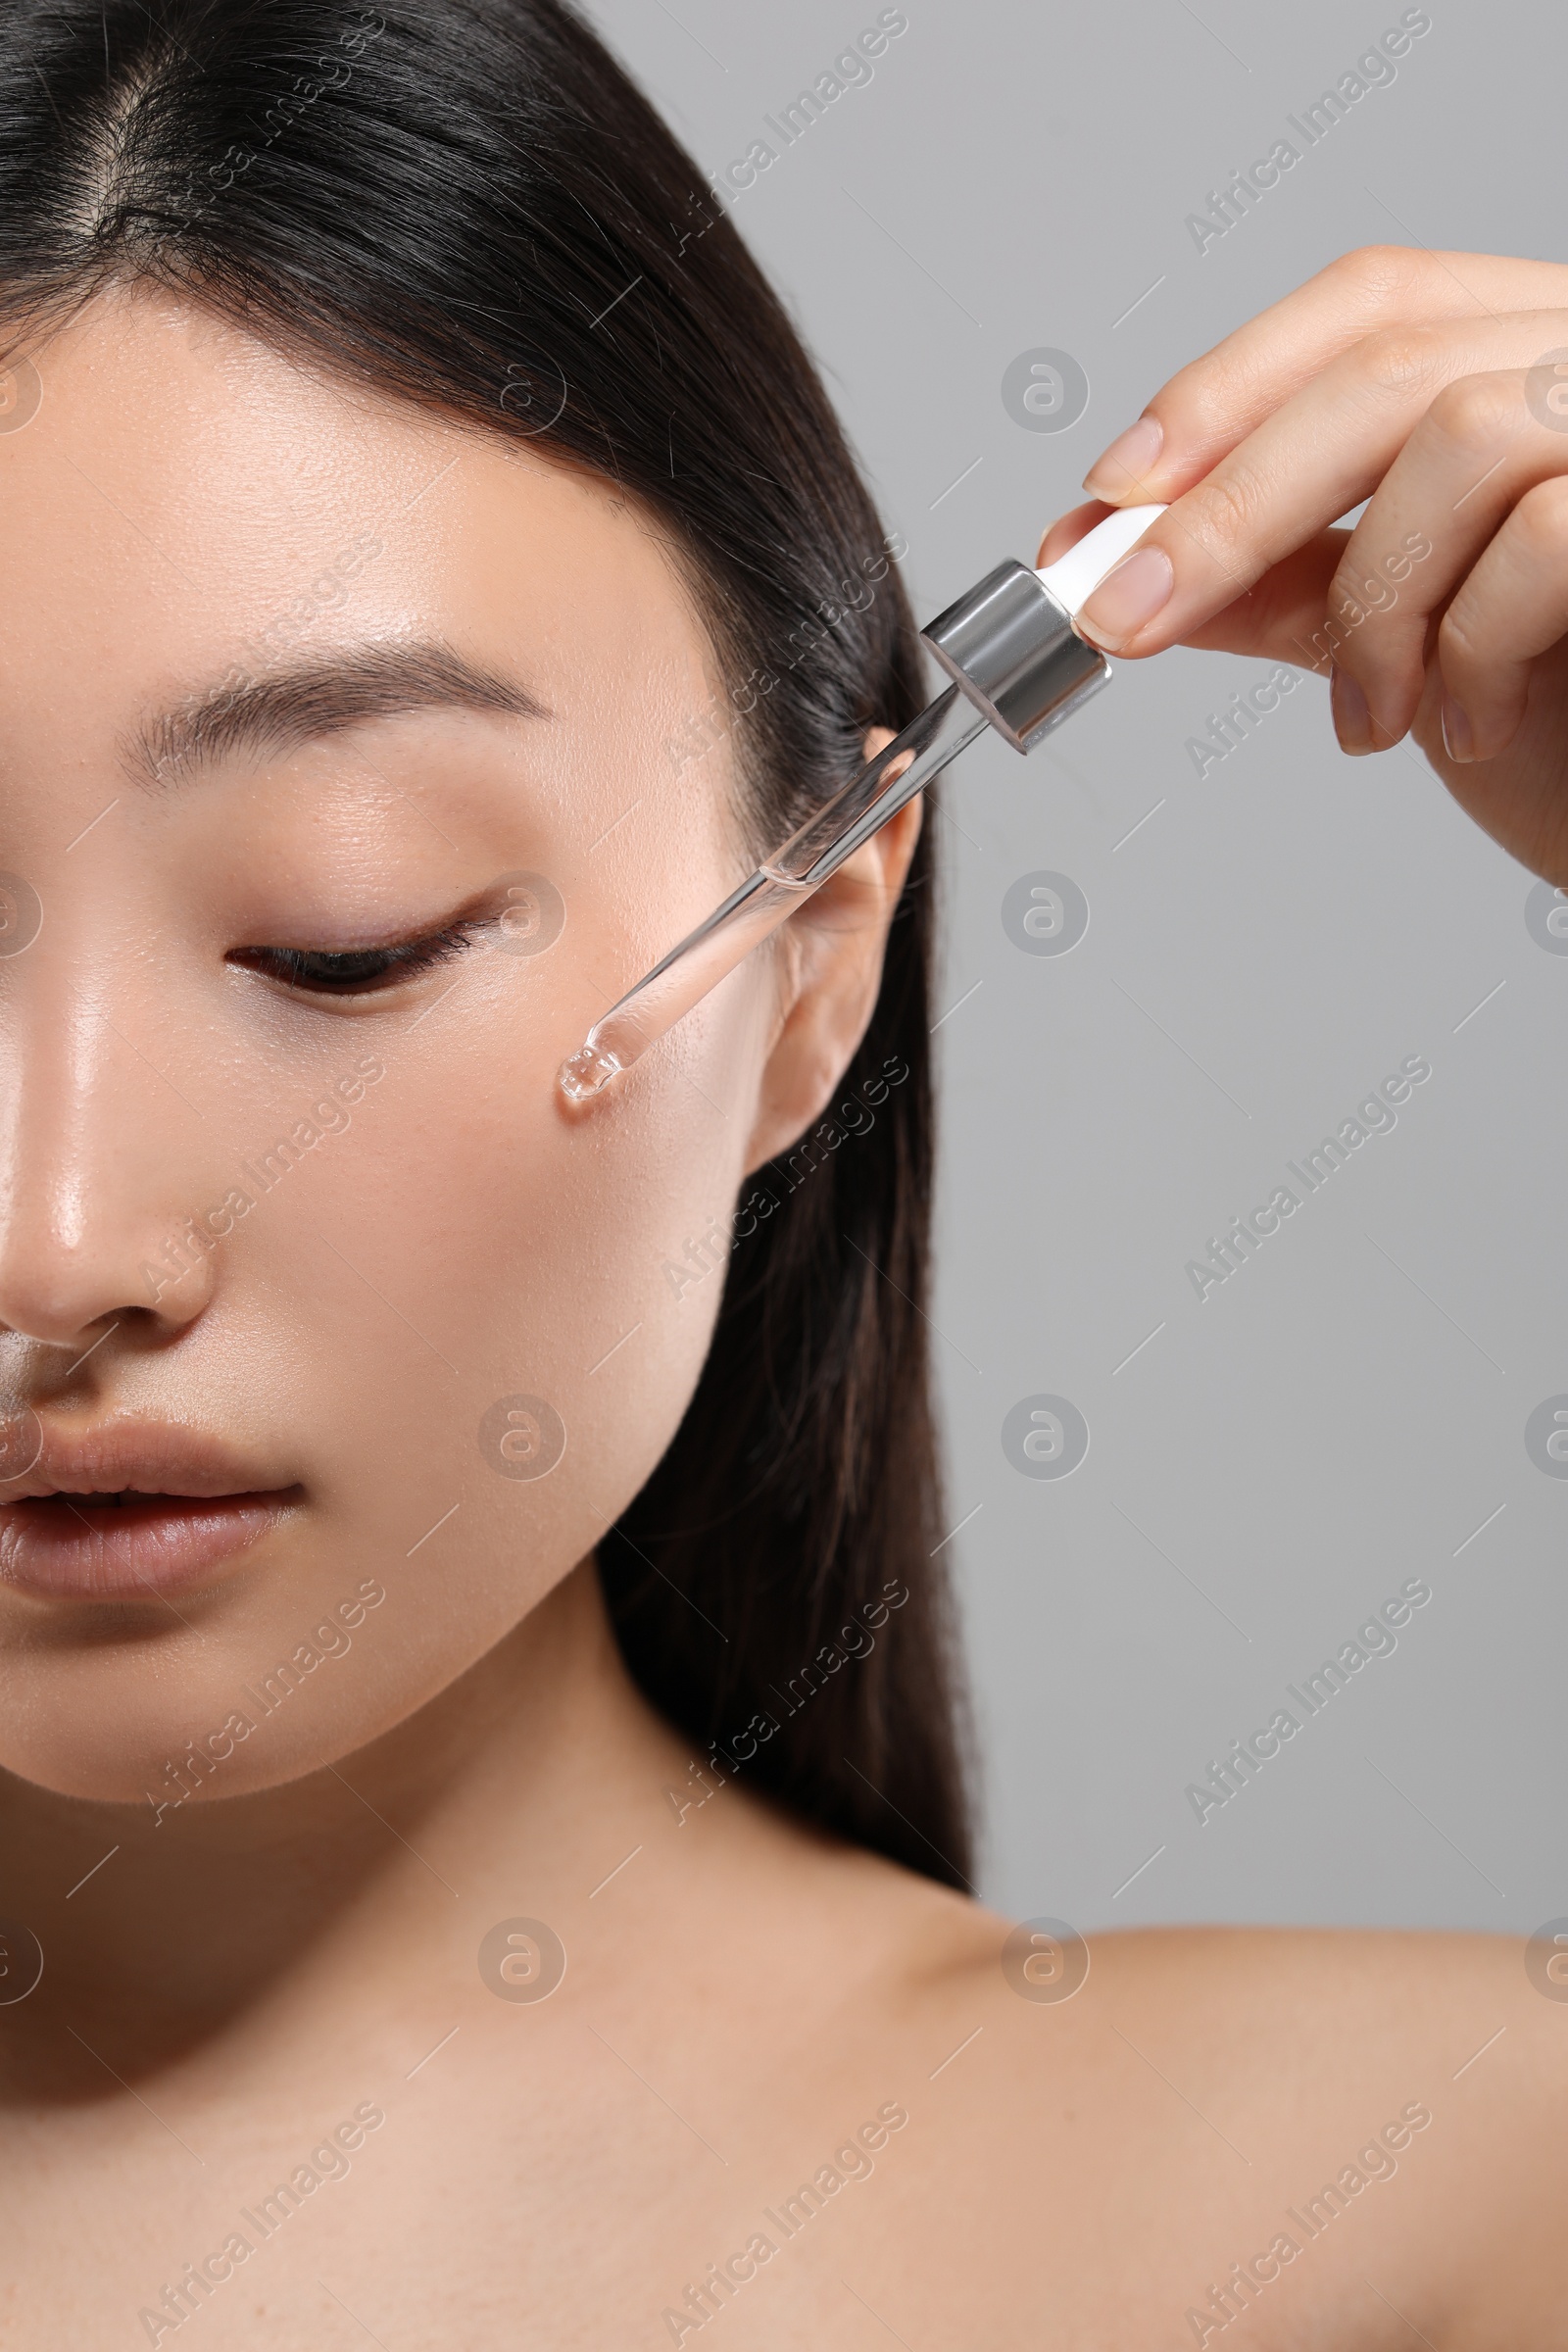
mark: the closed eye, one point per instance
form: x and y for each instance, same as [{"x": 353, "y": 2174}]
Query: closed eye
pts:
[{"x": 357, "y": 971}]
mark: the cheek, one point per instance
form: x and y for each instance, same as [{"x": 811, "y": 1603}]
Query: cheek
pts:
[
  {"x": 565, "y": 1274},
  {"x": 534, "y": 1253},
  {"x": 455, "y": 1323},
  {"x": 458, "y": 1324},
  {"x": 548, "y": 1295}
]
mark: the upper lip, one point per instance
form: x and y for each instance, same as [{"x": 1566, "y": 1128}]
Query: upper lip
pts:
[{"x": 142, "y": 1457}]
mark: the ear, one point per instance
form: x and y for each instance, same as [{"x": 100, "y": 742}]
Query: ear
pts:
[{"x": 830, "y": 969}]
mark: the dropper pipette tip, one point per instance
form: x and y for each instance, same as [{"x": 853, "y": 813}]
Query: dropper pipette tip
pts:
[{"x": 585, "y": 1073}]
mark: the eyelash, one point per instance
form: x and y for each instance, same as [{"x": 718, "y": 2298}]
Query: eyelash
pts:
[{"x": 321, "y": 970}]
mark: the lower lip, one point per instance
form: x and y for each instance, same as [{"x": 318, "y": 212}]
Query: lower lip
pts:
[{"x": 150, "y": 1547}]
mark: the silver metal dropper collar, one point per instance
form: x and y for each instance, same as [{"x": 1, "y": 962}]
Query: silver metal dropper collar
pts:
[{"x": 1011, "y": 648}]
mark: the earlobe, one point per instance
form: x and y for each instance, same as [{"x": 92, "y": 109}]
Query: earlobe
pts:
[{"x": 831, "y": 957}]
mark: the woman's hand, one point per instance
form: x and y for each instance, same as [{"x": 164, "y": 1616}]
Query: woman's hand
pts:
[{"x": 1436, "y": 387}]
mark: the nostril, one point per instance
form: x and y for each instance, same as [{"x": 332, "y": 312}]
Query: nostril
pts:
[{"x": 78, "y": 1298}]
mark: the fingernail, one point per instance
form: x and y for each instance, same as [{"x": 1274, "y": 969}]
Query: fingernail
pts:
[
  {"x": 1127, "y": 597},
  {"x": 1129, "y": 456},
  {"x": 1352, "y": 721},
  {"x": 1457, "y": 740}
]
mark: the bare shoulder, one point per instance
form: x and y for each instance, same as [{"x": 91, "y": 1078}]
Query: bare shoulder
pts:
[
  {"x": 1302, "y": 2111},
  {"x": 1122, "y": 2138},
  {"x": 1269, "y": 2022},
  {"x": 1245, "y": 2004}
]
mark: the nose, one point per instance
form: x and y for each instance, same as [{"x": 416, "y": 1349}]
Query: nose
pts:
[{"x": 100, "y": 1153}]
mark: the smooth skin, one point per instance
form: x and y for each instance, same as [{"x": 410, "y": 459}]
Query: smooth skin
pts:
[{"x": 276, "y": 1980}]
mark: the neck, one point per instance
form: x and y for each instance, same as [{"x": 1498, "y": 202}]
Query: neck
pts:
[{"x": 223, "y": 1904}]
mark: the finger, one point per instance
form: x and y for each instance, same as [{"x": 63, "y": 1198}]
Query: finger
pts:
[
  {"x": 1066, "y": 531},
  {"x": 1485, "y": 441},
  {"x": 1280, "y": 618},
  {"x": 1324, "y": 451},
  {"x": 1510, "y": 608},
  {"x": 1216, "y": 400},
  {"x": 1518, "y": 800}
]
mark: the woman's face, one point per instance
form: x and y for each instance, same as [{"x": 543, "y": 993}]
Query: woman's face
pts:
[{"x": 291, "y": 673}]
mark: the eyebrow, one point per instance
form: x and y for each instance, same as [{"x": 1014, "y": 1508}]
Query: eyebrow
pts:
[{"x": 287, "y": 708}]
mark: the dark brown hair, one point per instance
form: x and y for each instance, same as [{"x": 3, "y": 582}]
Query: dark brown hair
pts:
[{"x": 466, "y": 204}]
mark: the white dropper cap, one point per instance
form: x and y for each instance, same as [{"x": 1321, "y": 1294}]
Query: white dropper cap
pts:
[{"x": 1073, "y": 578}]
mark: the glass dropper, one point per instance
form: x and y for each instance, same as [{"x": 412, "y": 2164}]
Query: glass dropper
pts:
[{"x": 1017, "y": 666}]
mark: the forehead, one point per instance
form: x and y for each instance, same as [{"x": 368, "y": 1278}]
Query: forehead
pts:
[{"x": 186, "y": 499}]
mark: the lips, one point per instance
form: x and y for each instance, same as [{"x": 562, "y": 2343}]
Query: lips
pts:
[{"x": 131, "y": 1511}]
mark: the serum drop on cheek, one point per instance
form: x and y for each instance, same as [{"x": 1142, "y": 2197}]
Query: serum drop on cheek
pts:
[{"x": 583, "y": 1073}]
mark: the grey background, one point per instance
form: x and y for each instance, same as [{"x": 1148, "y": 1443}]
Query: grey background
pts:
[{"x": 1344, "y": 1415}]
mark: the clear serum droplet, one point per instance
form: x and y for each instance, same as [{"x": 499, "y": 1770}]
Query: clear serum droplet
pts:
[{"x": 583, "y": 1074}]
